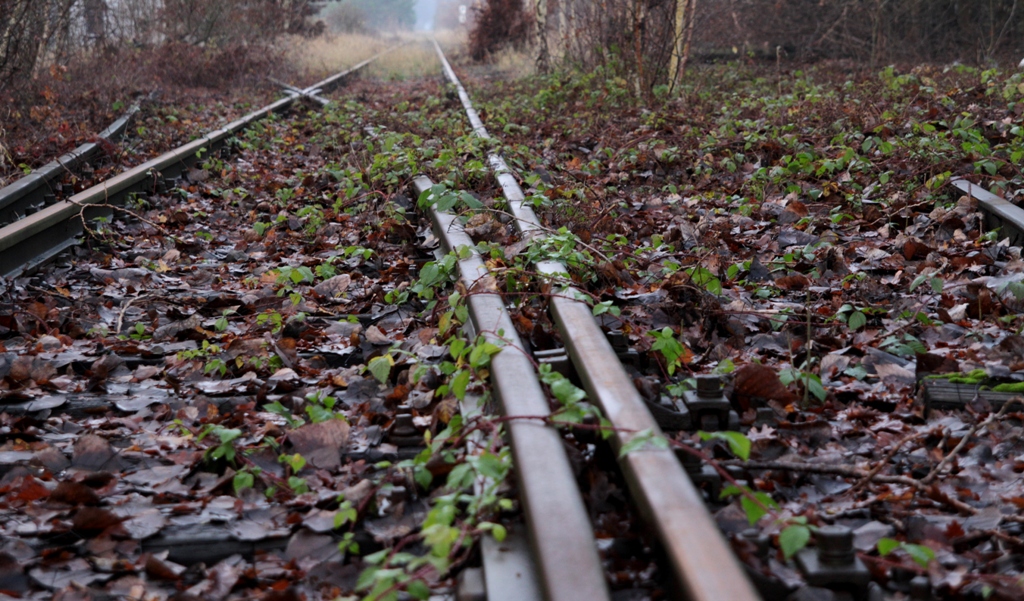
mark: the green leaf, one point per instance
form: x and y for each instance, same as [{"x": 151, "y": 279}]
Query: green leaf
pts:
[
  {"x": 423, "y": 477},
  {"x": 418, "y": 589},
  {"x": 481, "y": 353},
  {"x": 459, "y": 384},
  {"x": 887, "y": 546},
  {"x": 815, "y": 388},
  {"x": 298, "y": 485},
  {"x": 346, "y": 514},
  {"x": 937, "y": 285},
  {"x": 242, "y": 480},
  {"x": 490, "y": 466},
  {"x": 724, "y": 367},
  {"x": 857, "y": 320},
  {"x": 227, "y": 435},
  {"x": 318, "y": 413},
  {"x": 499, "y": 533},
  {"x": 380, "y": 367},
  {"x": 754, "y": 511},
  {"x": 643, "y": 440},
  {"x": 755, "y": 508},
  {"x": 456, "y": 346},
  {"x": 296, "y": 462},
  {"x": 470, "y": 200},
  {"x": 793, "y": 538},
  {"x": 1017, "y": 289},
  {"x": 705, "y": 279},
  {"x": 921, "y": 554},
  {"x": 566, "y": 392},
  {"x": 738, "y": 443},
  {"x": 367, "y": 576},
  {"x": 858, "y": 372},
  {"x": 460, "y": 477}
]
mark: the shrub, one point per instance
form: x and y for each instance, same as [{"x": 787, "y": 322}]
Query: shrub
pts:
[{"x": 499, "y": 24}]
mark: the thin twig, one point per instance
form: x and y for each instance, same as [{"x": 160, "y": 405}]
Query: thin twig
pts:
[
  {"x": 884, "y": 461},
  {"x": 124, "y": 309},
  {"x": 113, "y": 207},
  {"x": 854, "y": 472},
  {"x": 965, "y": 439}
]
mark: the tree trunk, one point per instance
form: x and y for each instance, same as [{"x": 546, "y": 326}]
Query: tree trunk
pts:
[
  {"x": 685, "y": 18},
  {"x": 541, "y": 23}
]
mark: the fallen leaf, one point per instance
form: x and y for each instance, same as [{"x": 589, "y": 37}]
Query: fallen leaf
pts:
[
  {"x": 793, "y": 282},
  {"x": 321, "y": 444},
  {"x": 74, "y": 494},
  {"x": 755, "y": 382}
]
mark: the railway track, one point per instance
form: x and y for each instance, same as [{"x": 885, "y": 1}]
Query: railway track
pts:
[
  {"x": 38, "y": 189},
  {"x": 53, "y": 228},
  {"x": 670, "y": 503},
  {"x": 288, "y": 332}
]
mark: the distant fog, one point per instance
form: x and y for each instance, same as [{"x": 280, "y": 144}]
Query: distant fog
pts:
[{"x": 425, "y": 10}]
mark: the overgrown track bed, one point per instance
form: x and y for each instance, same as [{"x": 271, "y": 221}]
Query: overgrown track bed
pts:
[
  {"x": 817, "y": 263},
  {"x": 657, "y": 481},
  {"x": 39, "y": 188},
  {"x": 279, "y": 379},
  {"x": 55, "y": 227}
]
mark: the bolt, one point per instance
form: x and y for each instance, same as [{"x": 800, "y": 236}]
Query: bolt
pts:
[
  {"x": 67, "y": 189},
  {"x": 403, "y": 425},
  {"x": 709, "y": 387},
  {"x": 49, "y": 198},
  {"x": 835, "y": 545}
]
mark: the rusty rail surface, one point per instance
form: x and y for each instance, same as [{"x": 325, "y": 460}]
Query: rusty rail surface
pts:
[
  {"x": 701, "y": 560},
  {"x": 39, "y": 237}
]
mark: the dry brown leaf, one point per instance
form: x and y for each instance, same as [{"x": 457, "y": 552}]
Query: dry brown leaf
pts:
[
  {"x": 75, "y": 494},
  {"x": 321, "y": 444},
  {"x": 759, "y": 382},
  {"x": 795, "y": 281},
  {"x": 92, "y": 521}
]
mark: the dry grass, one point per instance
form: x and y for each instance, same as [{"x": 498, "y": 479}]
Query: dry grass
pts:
[
  {"x": 320, "y": 57},
  {"x": 317, "y": 58},
  {"x": 514, "y": 64},
  {"x": 415, "y": 59},
  {"x": 507, "y": 64}
]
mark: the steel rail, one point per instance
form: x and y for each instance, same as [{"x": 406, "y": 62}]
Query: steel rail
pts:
[
  {"x": 560, "y": 531},
  {"x": 1001, "y": 213},
  {"x": 30, "y": 191},
  {"x": 701, "y": 559},
  {"x": 39, "y": 237},
  {"x": 290, "y": 88}
]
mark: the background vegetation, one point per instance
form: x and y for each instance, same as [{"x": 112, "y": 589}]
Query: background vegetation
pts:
[{"x": 650, "y": 41}]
